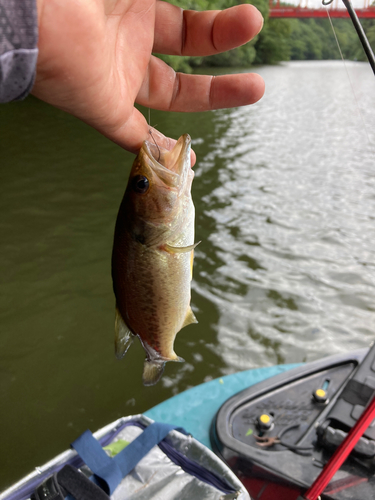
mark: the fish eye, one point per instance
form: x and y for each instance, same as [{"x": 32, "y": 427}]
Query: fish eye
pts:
[{"x": 140, "y": 184}]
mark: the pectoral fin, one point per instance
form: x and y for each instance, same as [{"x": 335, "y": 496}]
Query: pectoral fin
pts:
[
  {"x": 172, "y": 249},
  {"x": 123, "y": 336},
  {"x": 189, "y": 318}
]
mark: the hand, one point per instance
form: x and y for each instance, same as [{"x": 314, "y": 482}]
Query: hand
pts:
[{"x": 95, "y": 62}]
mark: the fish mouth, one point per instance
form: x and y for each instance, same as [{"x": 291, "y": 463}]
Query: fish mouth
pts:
[{"x": 172, "y": 166}]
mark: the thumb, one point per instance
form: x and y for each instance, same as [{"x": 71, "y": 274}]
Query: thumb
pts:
[{"x": 131, "y": 135}]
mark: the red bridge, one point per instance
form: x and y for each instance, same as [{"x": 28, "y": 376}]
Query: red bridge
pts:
[{"x": 288, "y": 10}]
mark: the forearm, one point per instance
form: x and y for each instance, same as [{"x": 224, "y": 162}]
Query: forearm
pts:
[{"x": 18, "y": 48}]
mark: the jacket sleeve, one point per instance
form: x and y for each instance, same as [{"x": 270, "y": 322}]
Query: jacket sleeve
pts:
[{"x": 18, "y": 48}]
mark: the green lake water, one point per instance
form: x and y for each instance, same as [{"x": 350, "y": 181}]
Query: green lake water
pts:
[{"x": 285, "y": 208}]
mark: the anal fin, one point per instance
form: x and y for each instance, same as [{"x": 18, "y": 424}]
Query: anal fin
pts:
[
  {"x": 189, "y": 318},
  {"x": 123, "y": 336}
]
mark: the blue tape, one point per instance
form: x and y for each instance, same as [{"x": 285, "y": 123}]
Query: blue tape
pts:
[
  {"x": 89, "y": 449},
  {"x": 110, "y": 471},
  {"x": 128, "y": 458}
]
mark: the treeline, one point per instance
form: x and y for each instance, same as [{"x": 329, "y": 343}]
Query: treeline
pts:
[{"x": 280, "y": 40}]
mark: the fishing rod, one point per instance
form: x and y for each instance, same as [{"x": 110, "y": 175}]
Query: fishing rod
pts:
[
  {"x": 362, "y": 35},
  {"x": 341, "y": 454},
  {"x": 360, "y": 32}
]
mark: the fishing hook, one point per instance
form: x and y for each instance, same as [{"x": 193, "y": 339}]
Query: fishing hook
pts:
[{"x": 155, "y": 144}]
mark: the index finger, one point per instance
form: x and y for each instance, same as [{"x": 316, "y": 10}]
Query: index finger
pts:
[{"x": 190, "y": 33}]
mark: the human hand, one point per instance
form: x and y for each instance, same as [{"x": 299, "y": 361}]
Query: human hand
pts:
[{"x": 95, "y": 62}]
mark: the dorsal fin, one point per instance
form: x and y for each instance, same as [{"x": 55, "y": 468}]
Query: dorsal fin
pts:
[{"x": 123, "y": 336}]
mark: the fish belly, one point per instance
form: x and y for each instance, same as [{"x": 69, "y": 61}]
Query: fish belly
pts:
[{"x": 155, "y": 296}]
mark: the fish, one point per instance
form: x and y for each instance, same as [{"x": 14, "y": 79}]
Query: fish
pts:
[{"x": 153, "y": 252}]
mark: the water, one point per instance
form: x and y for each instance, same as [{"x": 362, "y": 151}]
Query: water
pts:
[{"x": 285, "y": 201}]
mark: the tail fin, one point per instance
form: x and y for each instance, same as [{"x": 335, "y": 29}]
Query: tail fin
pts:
[{"x": 152, "y": 371}]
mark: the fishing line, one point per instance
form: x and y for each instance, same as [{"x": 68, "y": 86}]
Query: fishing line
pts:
[
  {"x": 325, "y": 3},
  {"x": 149, "y": 131}
]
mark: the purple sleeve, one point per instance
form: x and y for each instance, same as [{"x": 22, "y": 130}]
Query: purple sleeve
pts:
[{"x": 18, "y": 48}]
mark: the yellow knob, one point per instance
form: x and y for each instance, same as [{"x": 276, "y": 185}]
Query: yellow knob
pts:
[
  {"x": 320, "y": 396},
  {"x": 264, "y": 418}
]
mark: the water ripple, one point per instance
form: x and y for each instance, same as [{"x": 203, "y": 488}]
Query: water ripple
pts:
[{"x": 292, "y": 203}]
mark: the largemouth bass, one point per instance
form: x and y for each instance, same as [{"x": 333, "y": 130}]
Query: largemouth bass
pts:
[{"x": 152, "y": 258}]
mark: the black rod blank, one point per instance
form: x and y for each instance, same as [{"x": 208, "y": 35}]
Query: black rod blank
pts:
[{"x": 362, "y": 36}]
